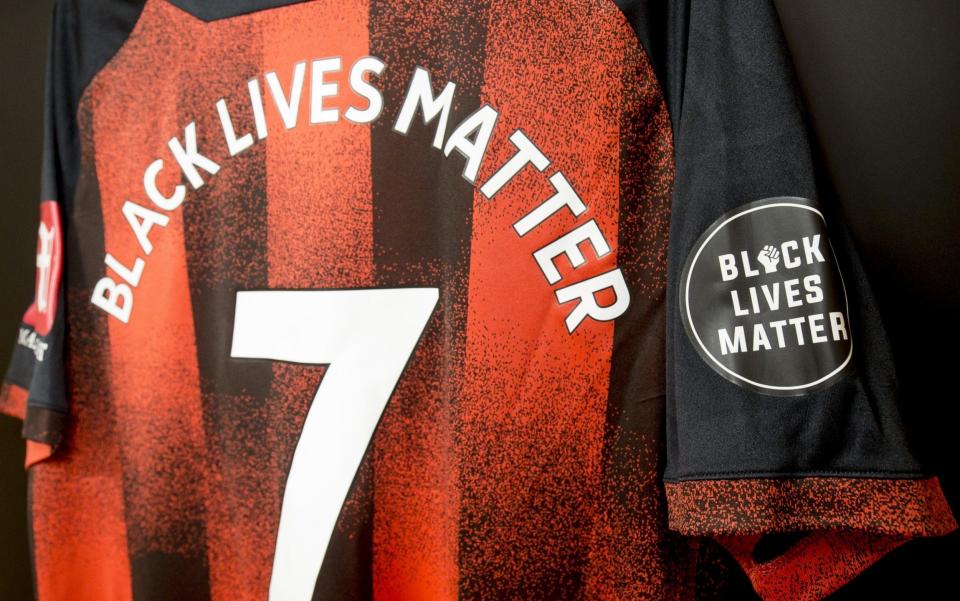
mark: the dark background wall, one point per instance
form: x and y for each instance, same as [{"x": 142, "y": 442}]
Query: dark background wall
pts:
[
  {"x": 881, "y": 79},
  {"x": 23, "y": 35}
]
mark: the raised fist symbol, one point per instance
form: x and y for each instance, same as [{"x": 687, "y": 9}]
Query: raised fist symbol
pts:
[{"x": 769, "y": 257}]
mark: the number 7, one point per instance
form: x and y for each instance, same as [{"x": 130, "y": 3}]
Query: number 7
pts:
[{"x": 366, "y": 336}]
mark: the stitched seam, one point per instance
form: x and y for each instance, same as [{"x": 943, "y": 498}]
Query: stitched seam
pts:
[{"x": 795, "y": 475}]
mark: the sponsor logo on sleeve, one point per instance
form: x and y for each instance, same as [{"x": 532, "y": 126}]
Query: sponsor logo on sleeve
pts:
[
  {"x": 43, "y": 311},
  {"x": 763, "y": 301}
]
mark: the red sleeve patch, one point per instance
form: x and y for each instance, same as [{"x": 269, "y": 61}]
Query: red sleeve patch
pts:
[{"x": 43, "y": 311}]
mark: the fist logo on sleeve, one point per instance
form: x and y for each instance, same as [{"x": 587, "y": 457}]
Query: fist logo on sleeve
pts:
[
  {"x": 769, "y": 257},
  {"x": 771, "y": 317}
]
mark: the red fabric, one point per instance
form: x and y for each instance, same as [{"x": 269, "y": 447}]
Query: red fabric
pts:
[
  {"x": 751, "y": 506},
  {"x": 815, "y": 566},
  {"x": 43, "y": 310},
  {"x": 13, "y": 400},
  {"x": 855, "y": 522},
  {"x": 36, "y": 452}
]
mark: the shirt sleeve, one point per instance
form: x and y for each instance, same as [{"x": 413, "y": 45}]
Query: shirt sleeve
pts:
[
  {"x": 33, "y": 386},
  {"x": 784, "y": 439}
]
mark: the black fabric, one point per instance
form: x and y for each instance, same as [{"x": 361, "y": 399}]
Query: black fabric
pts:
[
  {"x": 774, "y": 544},
  {"x": 78, "y": 48},
  {"x": 662, "y": 27},
  {"x": 741, "y": 136},
  {"x": 43, "y": 425},
  {"x": 44, "y": 380},
  {"x": 84, "y": 36},
  {"x": 211, "y": 10}
]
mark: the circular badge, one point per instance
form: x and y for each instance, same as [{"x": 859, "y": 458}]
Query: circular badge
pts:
[{"x": 763, "y": 301}]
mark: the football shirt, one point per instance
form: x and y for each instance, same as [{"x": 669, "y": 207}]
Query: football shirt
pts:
[{"x": 447, "y": 299}]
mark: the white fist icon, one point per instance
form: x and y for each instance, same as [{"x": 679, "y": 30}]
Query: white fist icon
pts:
[{"x": 769, "y": 257}]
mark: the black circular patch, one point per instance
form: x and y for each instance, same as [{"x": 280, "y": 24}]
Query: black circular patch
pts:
[{"x": 763, "y": 301}]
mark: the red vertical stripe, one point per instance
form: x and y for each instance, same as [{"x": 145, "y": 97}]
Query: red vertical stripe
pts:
[
  {"x": 631, "y": 553},
  {"x": 535, "y": 396},
  {"x": 79, "y": 532},
  {"x": 319, "y": 215},
  {"x": 226, "y": 233},
  {"x": 318, "y": 176},
  {"x": 79, "y": 535},
  {"x": 154, "y": 379}
]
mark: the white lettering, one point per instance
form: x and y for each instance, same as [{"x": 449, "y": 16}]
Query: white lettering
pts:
[
  {"x": 566, "y": 196},
  {"x": 289, "y": 108},
  {"x": 838, "y": 326},
  {"x": 367, "y": 64},
  {"x": 760, "y": 339},
  {"x": 142, "y": 220},
  {"x": 789, "y": 261},
  {"x": 792, "y": 293},
  {"x": 116, "y": 299},
  {"x": 131, "y": 276},
  {"x": 737, "y": 310},
  {"x": 728, "y": 267},
  {"x": 811, "y": 248},
  {"x": 256, "y": 103},
  {"x": 189, "y": 158},
  {"x": 569, "y": 245},
  {"x": 587, "y": 290},
  {"x": 811, "y": 284},
  {"x": 235, "y": 145},
  {"x": 737, "y": 345},
  {"x": 167, "y": 203},
  {"x": 527, "y": 153},
  {"x": 320, "y": 89},
  {"x": 421, "y": 94},
  {"x": 480, "y": 123}
]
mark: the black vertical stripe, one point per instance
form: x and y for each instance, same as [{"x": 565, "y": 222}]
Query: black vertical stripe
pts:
[
  {"x": 88, "y": 349},
  {"x": 422, "y": 204},
  {"x": 632, "y": 448},
  {"x": 225, "y": 237},
  {"x": 347, "y": 570}
]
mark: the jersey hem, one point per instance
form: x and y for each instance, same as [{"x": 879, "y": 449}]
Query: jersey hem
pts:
[
  {"x": 44, "y": 426},
  {"x": 816, "y": 566},
  {"x": 904, "y": 507},
  {"x": 732, "y": 475},
  {"x": 13, "y": 400}
]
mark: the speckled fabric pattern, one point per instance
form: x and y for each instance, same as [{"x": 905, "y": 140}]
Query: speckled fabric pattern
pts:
[
  {"x": 749, "y": 506},
  {"x": 510, "y": 461},
  {"x": 520, "y": 450},
  {"x": 837, "y": 526},
  {"x": 816, "y": 565},
  {"x": 13, "y": 400}
]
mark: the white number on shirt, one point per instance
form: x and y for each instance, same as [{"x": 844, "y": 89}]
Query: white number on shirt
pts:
[{"x": 366, "y": 336}]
